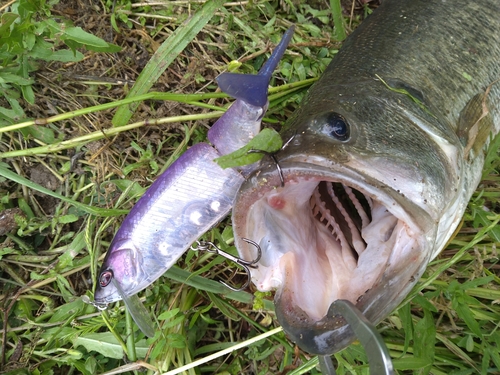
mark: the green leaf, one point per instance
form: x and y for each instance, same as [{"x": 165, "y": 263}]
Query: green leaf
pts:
[
  {"x": 168, "y": 315},
  {"x": 66, "y": 219},
  {"x": 63, "y": 312},
  {"x": 79, "y": 35},
  {"x": 424, "y": 303},
  {"x": 25, "y": 207},
  {"x": 28, "y": 94},
  {"x": 465, "y": 313},
  {"x": 260, "y": 299},
  {"x": 469, "y": 346},
  {"x": 64, "y": 55},
  {"x": 477, "y": 282},
  {"x": 410, "y": 363},
  {"x": 425, "y": 338},
  {"x": 7, "y": 77},
  {"x": 132, "y": 188},
  {"x": 491, "y": 156},
  {"x": 16, "y": 112},
  {"x": 44, "y": 51},
  {"x": 131, "y": 167},
  {"x": 110, "y": 48},
  {"x": 6, "y": 20},
  {"x": 46, "y": 135},
  {"x": 481, "y": 219},
  {"x": 30, "y": 40},
  {"x": 7, "y": 251},
  {"x": 406, "y": 318},
  {"x": 268, "y": 141},
  {"x": 495, "y": 355},
  {"x": 62, "y": 283},
  {"x": 201, "y": 283},
  {"x": 36, "y": 276},
  {"x": 41, "y": 50},
  {"x": 223, "y": 307},
  {"x": 8, "y": 114},
  {"x": 91, "y": 365},
  {"x": 159, "y": 348},
  {"x": 176, "y": 340},
  {"x": 107, "y": 345},
  {"x": 24, "y": 308},
  {"x": 76, "y": 37},
  {"x": 177, "y": 321}
]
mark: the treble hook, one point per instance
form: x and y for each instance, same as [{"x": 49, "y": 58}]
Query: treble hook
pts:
[
  {"x": 272, "y": 155},
  {"x": 212, "y": 248}
]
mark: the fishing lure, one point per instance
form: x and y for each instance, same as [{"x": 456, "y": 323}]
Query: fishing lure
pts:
[{"x": 189, "y": 198}]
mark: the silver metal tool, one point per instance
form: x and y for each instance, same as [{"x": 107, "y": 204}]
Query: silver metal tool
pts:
[{"x": 376, "y": 350}]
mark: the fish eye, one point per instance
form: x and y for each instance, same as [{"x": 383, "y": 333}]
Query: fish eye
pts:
[
  {"x": 105, "y": 278},
  {"x": 335, "y": 126}
]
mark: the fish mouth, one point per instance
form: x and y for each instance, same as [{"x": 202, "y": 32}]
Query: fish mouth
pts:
[{"x": 326, "y": 235}]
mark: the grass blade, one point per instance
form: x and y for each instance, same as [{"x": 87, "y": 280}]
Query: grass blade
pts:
[
  {"x": 8, "y": 174},
  {"x": 168, "y": 51},
  {"x": 338, "y": 20}
]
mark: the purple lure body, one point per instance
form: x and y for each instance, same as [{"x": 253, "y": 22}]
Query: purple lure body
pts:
[{"x": 192, "y": 196}]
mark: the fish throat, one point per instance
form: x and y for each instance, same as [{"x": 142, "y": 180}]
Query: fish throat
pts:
[
  {"x": 344, "y": 212},
  {"x": 322, "y": 240}
]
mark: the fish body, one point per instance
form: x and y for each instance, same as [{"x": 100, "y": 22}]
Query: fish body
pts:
[
  {"x": 386, "y": 150},
  {"x": 189, "y": 198}
]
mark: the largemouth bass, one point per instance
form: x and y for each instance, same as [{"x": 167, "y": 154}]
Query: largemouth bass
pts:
[{"x": 386, "y": 150}]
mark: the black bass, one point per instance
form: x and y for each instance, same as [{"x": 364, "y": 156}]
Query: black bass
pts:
[{"x": 385, "y": 152}]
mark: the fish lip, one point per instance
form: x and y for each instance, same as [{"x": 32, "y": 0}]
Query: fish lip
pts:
[{"x": 325, "y": 336}]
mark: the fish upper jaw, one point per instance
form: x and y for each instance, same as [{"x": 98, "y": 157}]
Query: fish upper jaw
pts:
[{"x": 366, "y": 247}]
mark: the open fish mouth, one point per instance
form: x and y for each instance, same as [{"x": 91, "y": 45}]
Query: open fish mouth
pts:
[{"x": 324, "y": 236}]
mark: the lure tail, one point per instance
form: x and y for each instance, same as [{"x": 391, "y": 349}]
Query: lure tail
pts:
[
  {"x": 243, "y": 119},
  {"x": 251, "y": 88}
]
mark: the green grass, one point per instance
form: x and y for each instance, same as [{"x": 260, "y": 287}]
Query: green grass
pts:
[{"x": 83, "y": 164}]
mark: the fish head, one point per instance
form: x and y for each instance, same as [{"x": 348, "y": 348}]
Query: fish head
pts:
[
  {"x": 358, "y": 217},
  {"x": 122, "y": 265}
]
